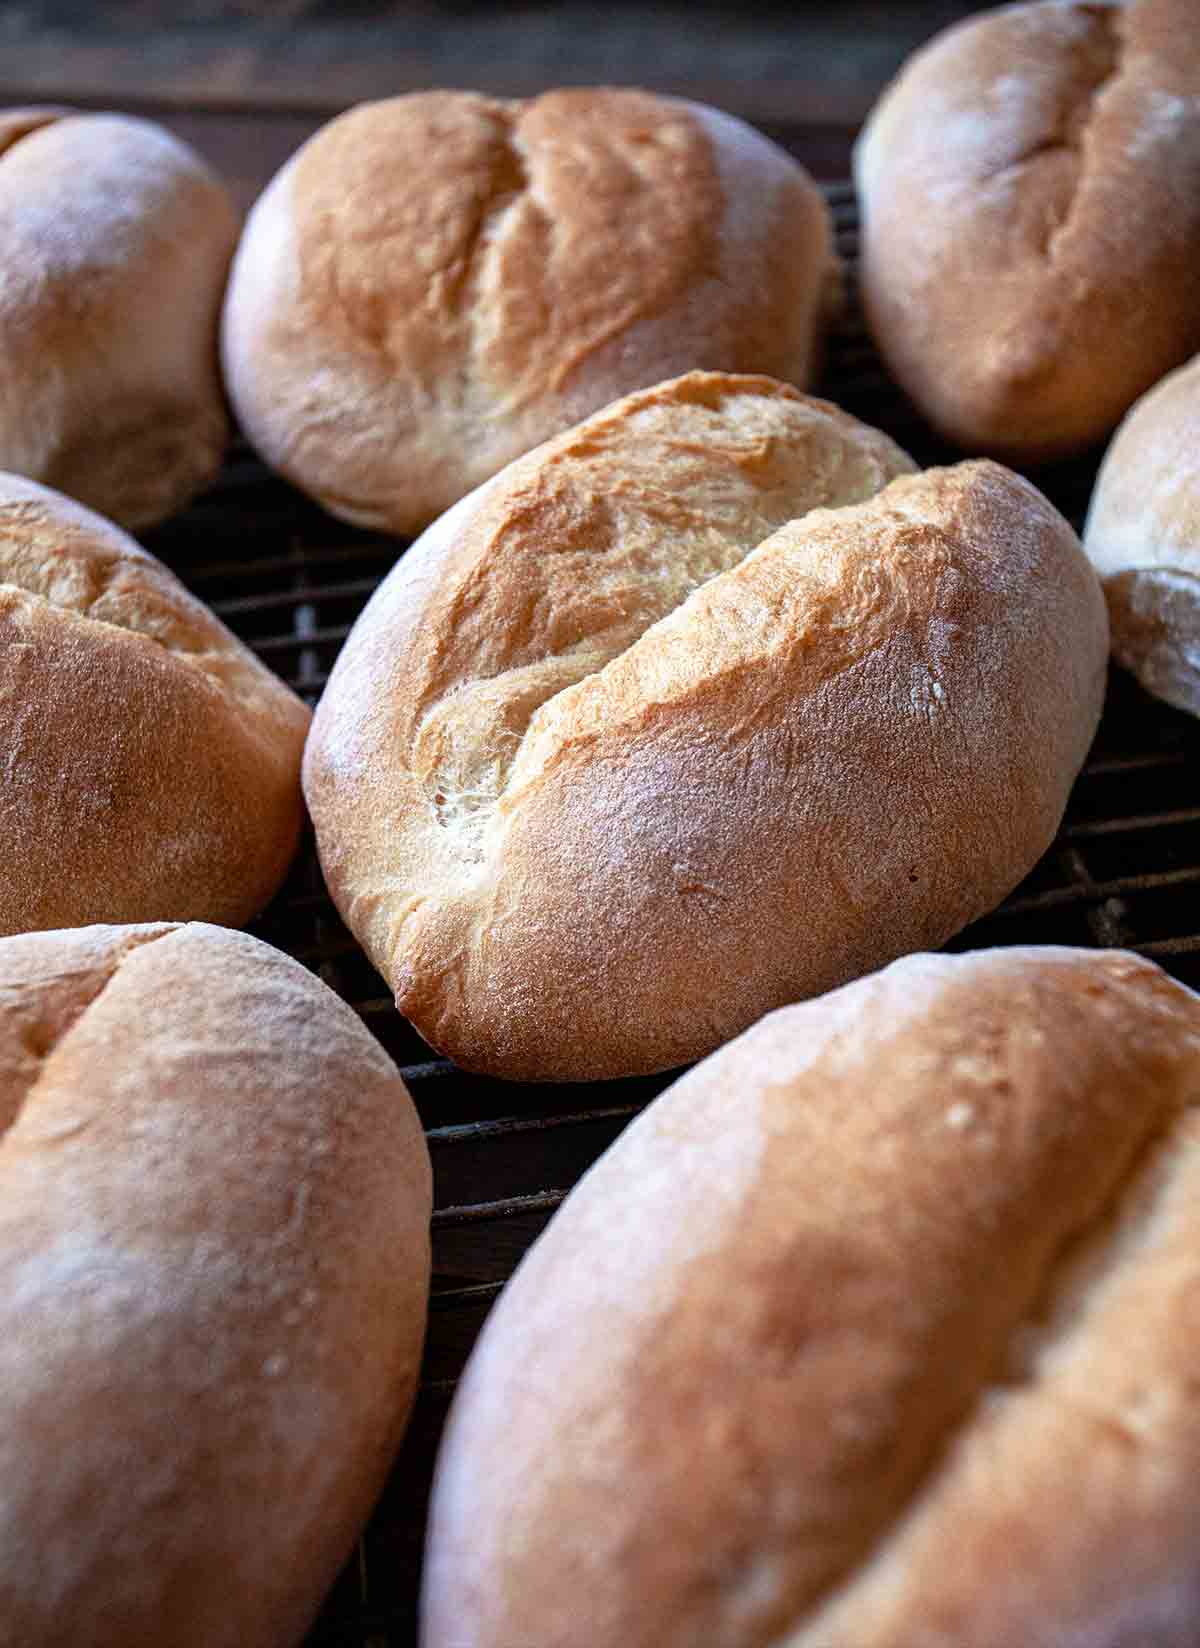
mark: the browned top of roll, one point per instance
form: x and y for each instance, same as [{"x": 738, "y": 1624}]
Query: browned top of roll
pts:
[
  {"x": 1031, "y": 194},
  {"x": 438, "y": 282},
  {"x": 668, "y": 726},
  {"x": 151, "y": 763},
  {"x": 115, "y": 239},
  {"x": 877, "y": 1329},
  {"x": 213, "y": 1268},
  {"x": 18, "y": 123}
]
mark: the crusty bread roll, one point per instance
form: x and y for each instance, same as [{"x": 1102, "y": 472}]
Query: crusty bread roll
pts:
[
  {"x": 1143, "y": 536},
  {"x": 878, "y": 1329},
  {"x": 666, "y": 726},
  {"x": 214, "y": 1261},
  {"x": 115, "y": 241},
  {"x": 438, "y": 282},
  {"x": 1030, "y": 191},
  {"x": 151, "y": 764}
]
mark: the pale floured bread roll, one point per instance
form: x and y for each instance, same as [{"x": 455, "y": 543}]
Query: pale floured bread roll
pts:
[
  {"x": 877, "y": 1329},
  {"x": 438, "y": 282},
  {"x": 151, "y": 763},
  {"x": 682, "y": 717},
  {"x": 214, "y": 1263},
  {"x": 115, "y": 242},
  {"x": 1030, "y": 190},
  {"x": 1143, "y": 536}
]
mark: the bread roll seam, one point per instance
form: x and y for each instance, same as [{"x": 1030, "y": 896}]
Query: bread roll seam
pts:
[
  {"x": 43, "y": 1050},
  {"x": 1075, "y": 1275},
  {"x": 452, "y": 805},
  {"x": 1078, "y": 125},
  {"x": 197, "y": 657}
]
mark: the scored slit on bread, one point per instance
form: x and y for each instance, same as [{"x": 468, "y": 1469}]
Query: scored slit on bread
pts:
[
  {"x": 876, "y": 1328},
  {"x": 436, "y": 283},
  {"x": 59, "y": 553},
  {"x": 151, "y": 760},
  {"x": 580, "y": 569},
  {"x": 1028, "y": 186},
  {"x": 706, "y": 705}
]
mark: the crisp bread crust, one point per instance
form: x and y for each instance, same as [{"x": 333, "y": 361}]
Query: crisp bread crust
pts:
[
  {"x": 438, "y": 282},
  {"x": 151, "y": 763},
  {"x": 115, "y": 241},
  {"x": 877, "y": 1329},
  {"x": 214, "y": 1262},
  {"x": 1030, "y": 193},
  {"x": 703, "y": 707}
]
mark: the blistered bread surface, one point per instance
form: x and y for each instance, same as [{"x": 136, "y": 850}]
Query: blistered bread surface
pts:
[{"x": 705, "y": 705}]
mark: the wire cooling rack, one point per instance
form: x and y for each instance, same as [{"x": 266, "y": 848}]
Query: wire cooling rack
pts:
[{"x": 1124, "y": 870}]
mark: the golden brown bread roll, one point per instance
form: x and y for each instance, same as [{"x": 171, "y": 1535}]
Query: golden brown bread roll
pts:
[
  {"x": 877, "y": 1330},
  {"x": 1143, "y": 537},
  {"x": 115, "y": 241},
  {"x": 667, "y": 726},
  {"x": 438, "y": 282},
  {"x": 151, "y": 764},
  {"x": 1030, "y": 191},
  {"x": 214, "y": 1255}
]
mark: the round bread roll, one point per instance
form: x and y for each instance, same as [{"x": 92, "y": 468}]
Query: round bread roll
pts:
[
  {"x": 667, "y": 726},
  {"x": 436, "y": 283},
  {"x": 151, "y": 764},
  {"x": 1143, "y": 536},
  {"x": 877, "y": 1330},
  {"x": 214, "y": 1263},
  {"x": 1030, "y": 190},
  {"x": 115, "y": 242}
]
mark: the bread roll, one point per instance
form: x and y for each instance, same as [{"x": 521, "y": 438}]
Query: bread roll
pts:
[
  {"x": 667, "y": 726},
  {"x": 438, "y": 282},
  {"x": 214, "y": 1260},
  {"x": 877, "y": 1330},
  {"x": 1143, "y": 536},
  {"x": 1030, "y": 190},
  {"x": 151, "y": 764},
  {"x": 115, "y": 240}
]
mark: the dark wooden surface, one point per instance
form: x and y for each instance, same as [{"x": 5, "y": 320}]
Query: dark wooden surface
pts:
[{"x": 246, "y": 83}]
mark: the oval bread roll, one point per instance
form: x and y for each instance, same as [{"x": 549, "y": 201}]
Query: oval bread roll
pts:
[
  {"x": 1143, "y": 537},
  {"x": 682, "y": 718},
  {"x": 115, "y": 242},
  {"x": 214, "y": 1262},
  {"x": 151, "y": 764},
  {"x": 437, "y": 282},
  {"x": 877, "y": 1330},
  {"x": 1030, "y": 191}
]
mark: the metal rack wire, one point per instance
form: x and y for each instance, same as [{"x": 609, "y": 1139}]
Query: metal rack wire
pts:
[{"x": 1124, "y": 870}]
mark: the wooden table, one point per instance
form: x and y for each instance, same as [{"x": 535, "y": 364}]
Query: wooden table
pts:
[{"x": 247, "y": 82}]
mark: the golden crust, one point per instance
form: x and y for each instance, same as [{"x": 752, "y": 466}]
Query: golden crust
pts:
[
  {"x": 1030, "y": 188},
  {"x": 644, "y": 739},
  {"x": 115, "y": 241},
  {"x": 151, "y": 763},
  {"x": 214, "y": 1259},
  {"x": 438, "y": 282},
  {"x": 877, "y": 1329}
]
